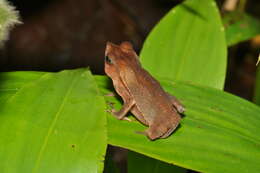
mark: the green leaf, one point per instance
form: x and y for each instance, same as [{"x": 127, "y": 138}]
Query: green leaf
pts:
[
  {"x": 240, "y": 27},
  {"x": 258, "y": 60},
  {"x": 218, "y": 133},
  {"x": 51, "y": 122},
  {"x": 257, "y": 87},
  {"x": 140, "y": 163},
  {"x": 188, "y": 44},
  {"x": 12, "y": 82}
]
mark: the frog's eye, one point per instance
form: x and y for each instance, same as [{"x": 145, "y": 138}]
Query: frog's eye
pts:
[{"x": 108, "y": 60}]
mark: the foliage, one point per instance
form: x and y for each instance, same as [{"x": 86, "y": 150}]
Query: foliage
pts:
[
  {"x": 51, "y": 122},
  {"x": 140, "y": 163},
  {"x": 8, "y": 17},
  {"x": 240, "y": 27},
  {"x": 257, "y": 87}
]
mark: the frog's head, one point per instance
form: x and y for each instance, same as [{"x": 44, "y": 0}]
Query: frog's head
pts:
[{"x": 119, "y": 57}]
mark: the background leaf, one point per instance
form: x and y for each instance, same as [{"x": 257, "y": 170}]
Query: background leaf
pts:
[
  {"x": 110, "y": 165},
  {"x": 188, "y": 40},
  {"x": 257, "y": 87},
  {"x": 219, "y": 132},
  {"x": 51, "y": 122},
  {"x": 140, "y": 163},
  {"x": 240, "y": 27}
]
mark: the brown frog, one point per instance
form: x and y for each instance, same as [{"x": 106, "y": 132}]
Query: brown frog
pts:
[{"x": 141, "y": 93}]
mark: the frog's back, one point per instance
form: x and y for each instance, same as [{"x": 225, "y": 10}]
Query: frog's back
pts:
[{"x": 151, "y": 100}]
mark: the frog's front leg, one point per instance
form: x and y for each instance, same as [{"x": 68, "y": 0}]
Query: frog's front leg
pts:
[
  {"x": 123, "y": 111},
  {"x": 176, "y": 103}
]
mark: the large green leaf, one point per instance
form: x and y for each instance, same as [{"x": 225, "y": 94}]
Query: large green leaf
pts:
[
  {"x": 218, "y": 133},
  {"x": 51, "y": 122},
  {"x": 12, "y": 82},
  {"x": 240, "y": 27},
  {"x": 188, "y": 44}
]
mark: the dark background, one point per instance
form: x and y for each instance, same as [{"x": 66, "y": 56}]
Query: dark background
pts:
[{"x": 67, "y": 34}]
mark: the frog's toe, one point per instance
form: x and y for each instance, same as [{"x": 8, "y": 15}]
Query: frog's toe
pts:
[
  {"x": 141, "y": 132},
  {"x": 108, "y": 110},
  {"x": 127, "y": 119}
]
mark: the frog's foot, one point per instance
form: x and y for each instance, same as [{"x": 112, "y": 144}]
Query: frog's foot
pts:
[
  {"x": 121, "y": 114},
  {"x": 168, "y": 133},
  {"x": 117, "y": 115},
  {"x": 141, "y": 132},
  {"x": 147, "y": 134}
]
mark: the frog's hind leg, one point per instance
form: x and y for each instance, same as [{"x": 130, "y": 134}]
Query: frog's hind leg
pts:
[
  {"x": 169, "y": 132},
  {"x": 148, "y": 133},
  {"x": 139, "y": 116}
]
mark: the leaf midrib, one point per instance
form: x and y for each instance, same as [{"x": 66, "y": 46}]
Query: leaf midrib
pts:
[{"x": 56, "y": 116}]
